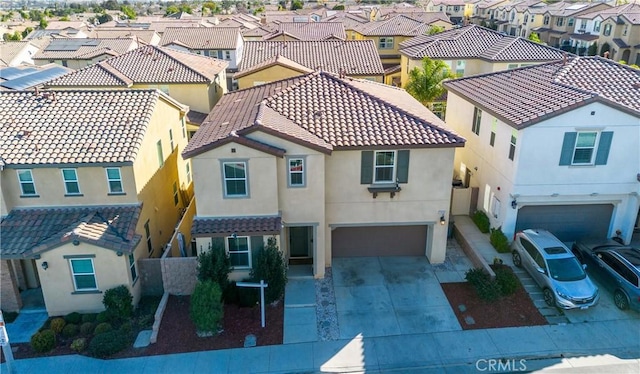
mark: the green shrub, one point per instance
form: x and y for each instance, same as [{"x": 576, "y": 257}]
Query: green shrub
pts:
[
  {"x": 487, "y": 289},
  {"x": 57, "y": 324},
  {"x": 506, "y": 280},
  {"x": 102, "y": 328},
  {"x": 118, "y": 302},
  {"x": 481, "y": 220},
  {"x": 89, "y": 317},
  {"x": 87, "y": 328},
  {"x": 108, "y": 343},
  {"x": 70, "y": 330},
  {"x": 79, "y": 344},
  {"x": 126, "y": 327},
  {"x": 214, "y": 265},
  {"x": 75, "y": 318},
  {"x": 230, "y": 293},
  {"x": 103, "y": 317},
  {"x": 499, "y": 240},
  {"x": 206, "y": 309},
  {"x": 43, "y": 341},
  {"x": 9, "y": 317},
  {"x": 271, "y": 267}
]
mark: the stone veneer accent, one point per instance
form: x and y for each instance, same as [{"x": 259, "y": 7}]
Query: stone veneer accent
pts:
[{"x": 179, "y": 275}]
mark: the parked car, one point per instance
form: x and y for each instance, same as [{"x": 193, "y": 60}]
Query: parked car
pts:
[
  {"x": 618, "y": 268},
  {"x": 562, "y": 278}
]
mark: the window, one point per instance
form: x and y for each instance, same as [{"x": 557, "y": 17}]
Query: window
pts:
[
  {"x": 512, "y": 66},
  {"x": 533, "y": 18},
  {"x": 171, "y": 139},
  {"x": 296, "y": 172},
  {"x": 176, "y": 199},
  {"x": 571, "y": 22},
  {"x": 625, "y": 30},
  {"x": 456, "y": 8},
  {"x": 188, "y": 167},
  {"x": 596, "y": 26},
  {"x": 239, "y": 251},
  {"x": 584, "y": 149},
  {"x": 235, "y": 179},
  {"x": 583, "y": 24},
  {"x": 147, "y": 233},
  {"x": 460, "y": 65},
  {"x": 84, "y": 277},
  {"x": 526, "y": 18},
  {"x": 160, "y": 155},
  {"x": 477, "y": 118},
  {"x": 227, "y": 55},
  {"x": 512, "y": 145},
  {"x": 70, "y": 178},
  {"x": 494, "y": 127},
  {"x": 559, "y": 21},
  {"x": 27, "y": 186},
  {"x": 384, "y": 167},
  {"x": 607, "y": 29},
  {"x": 617, "y": 266},
  {"x": 184, "y": 128},
  {"x": 65, "y": 63},
  {"x": 114, "y": 179},
  {"x": 495, "y": 206},
  {"x": 546, "y": 20},
  {"x": 132, "y": 268},
  {"x": 386, "y": 43}
]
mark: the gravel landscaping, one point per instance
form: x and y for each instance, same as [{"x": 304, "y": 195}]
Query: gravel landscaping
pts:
[{"x": 326, "y": 312}]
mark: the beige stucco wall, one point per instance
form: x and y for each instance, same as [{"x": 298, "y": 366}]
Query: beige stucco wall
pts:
[
  {"x": 195, "y": 96},
  {"x": 270, "y": 74}
]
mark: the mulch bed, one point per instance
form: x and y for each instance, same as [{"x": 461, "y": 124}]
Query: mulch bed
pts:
[{"x": 509, "y": 311}]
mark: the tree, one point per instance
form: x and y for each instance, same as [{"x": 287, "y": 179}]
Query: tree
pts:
[
  {"x": 593, "y": 49},
  {"x": 338, "y": 7},
  {"x": 425, "y": 84},
  {"x": 104, "y": 18},
  {"x": 435, "y": 30},
  {"x": 111, "y": 5},
  {"x": 534, "y": 37},
  {"x": 171, "y": 9},
  {"x": 128, "y": 12},
  {"x": 26, "y": 31},
  {"x": 43, "y": 23},
  {"x": 296, "y": 4},
  {"x": 605, "y": 49},
  {"x": 10, "y": 37},
  {"x": 213, "y": 7}
]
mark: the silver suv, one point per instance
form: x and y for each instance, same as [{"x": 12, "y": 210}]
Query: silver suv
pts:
[{"x": 563, "y": 280}]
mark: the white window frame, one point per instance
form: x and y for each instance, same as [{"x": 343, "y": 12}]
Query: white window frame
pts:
[
  {"x": 229, "y": 246},
  {"x": 75, "y": 180},
  {"x": 546, "y": 20},
  {"x": 171, "y": 139},
  {"x": 393, "y": 167},
  {"x": 385, "y": 42},
  {"x": 245, "y": 179},
  {"x": 132, "y": 268},
  {"x": 594, "y": 148},
  {"x": 22, "y": 183},
  {"x": 302, "y": 172},
  {"x": 477, "y": 120},
  {"x": 227, "y": 55},
  {"x": 188, "y": 168},
  {"x": 184, "y": 127},
  {"x": 596, "y": 26},
  {"x": 110, "y": 180},
  {"x": 73, "y": 274}
]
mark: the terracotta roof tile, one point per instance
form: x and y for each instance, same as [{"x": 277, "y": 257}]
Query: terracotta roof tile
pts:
[
  {"x": 143, "y": 35},
  {"x": 310, "y": 30},
  {"x": 27, "y": 232},
  {"x": 202, "y": 37},
  {"x": 524, "y": 96},
  {"x": 348, "y": 20},
  {"x": 81, "y": 49},
  {"x": 400, "y": 25},
  {"x": 265, "y": 225},
  {"x": 9, "y": 51}
]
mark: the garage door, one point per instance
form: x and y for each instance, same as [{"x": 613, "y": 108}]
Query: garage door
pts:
[
  {"x": 567, "y": 222},
  {"x": 379, "y": 241}
]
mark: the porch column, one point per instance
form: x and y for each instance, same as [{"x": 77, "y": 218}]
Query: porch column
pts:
[{"x": 9, "y": 293}]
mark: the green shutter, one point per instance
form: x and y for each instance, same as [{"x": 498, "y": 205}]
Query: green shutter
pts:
[
  {"x": 217, "y": 242},
  {"x": 257, "y": 245},
  {"x": 403, "y": 166},
  {"x": 366, "y": 167},
  {"x": 568, "y": 145},
  {"x": 603, "y": 147}
]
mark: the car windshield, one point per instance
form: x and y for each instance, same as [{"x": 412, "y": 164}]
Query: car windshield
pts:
[{"x": 566, "y": 269}]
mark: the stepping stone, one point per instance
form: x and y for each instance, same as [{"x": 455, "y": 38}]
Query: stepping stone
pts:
[
  {"x": 250, "y": 341},
  {"x": 469, "y": 320},
  {"x": 143, "y": 339},
  {"x": 462, "y": 308}
]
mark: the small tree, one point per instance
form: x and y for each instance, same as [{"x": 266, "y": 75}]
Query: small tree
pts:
[
  {"x": 43, "y": 23},
  {"x": 604, "y": 49},
  {"x": 534, "y": 37},
  {"x": 206, "y": 310},
  {"x": 270, "y": 267},
  {"x": 128, "y": 12},
  {"x": 214, "y": 265},
  {"x": 296, "y": 4},
  {"x": 593, "y": 49},
  {"x": 435, "y": 30},
  {"x": 425, "y": 84},
  {"x": 118, "y": 302}
]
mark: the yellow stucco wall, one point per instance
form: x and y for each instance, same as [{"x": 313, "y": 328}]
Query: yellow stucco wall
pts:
[{"x": 270, "y": 74}]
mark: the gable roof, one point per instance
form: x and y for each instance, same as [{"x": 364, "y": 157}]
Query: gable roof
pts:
[
  {"x": 273, "y": 61},
  {"x": 9, "y": 51},
  {"x": 148, "y": 64},
  {"x": 75, "y": 126},
  {"x": 348, "y": 20},
  {"x": 522, "y": 97},
  {"x": 324, "y": 112},
  {"x": 143, "y": 35},
  {"x": 81, "y": 49},
  {"x": 399, "y": 25},
  {"x": 631, "y": 12},
  {"x": 355, "y": 57},
  {"x": 27, "y": 232},
  {"x": 477, "y": 42},
  {"x": 310, "y": 30},
  {"x": 202, "y": 37}
]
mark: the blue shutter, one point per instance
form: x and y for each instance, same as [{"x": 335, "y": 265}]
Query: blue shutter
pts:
[
  {"x": 566, "y": 155},
  {"x": 603, "y": 147},
  {"x": 366, "y": 167},
  {"x": 403, "y": 166}
]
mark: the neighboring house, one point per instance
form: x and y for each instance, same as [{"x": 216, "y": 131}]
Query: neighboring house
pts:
[
  {"x": 148, "y": 37},
  {"x": 225, "y": 43},
  {"x": 91, "y": 182},
  {"x": 67, "y": 32},
  {"x": 620, "y": 32},
  {"x": 80, "y": 53},
  {"x": 457, "y": 10},
  {"x": 269, "y": 61},
  {"x": 308, "y": 31},
  {"x": 193, "y": 80},
  {"x": 299, "y": 16},
  {"x": 559, "y": 21},
  {"x": 29, "y": 77},
  {"x": 553, "y": 146},
  {"x": 349, "y": 21},
  {"x": 483, "y": 12},
  {"x": 330, "y": 167},
  {"x": 16, "y": 53}
]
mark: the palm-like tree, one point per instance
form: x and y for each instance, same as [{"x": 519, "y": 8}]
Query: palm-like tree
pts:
[{"x": 425, "y": 84}]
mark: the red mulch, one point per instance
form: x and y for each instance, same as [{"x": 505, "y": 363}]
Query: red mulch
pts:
[{"x": 509, "y": 311}]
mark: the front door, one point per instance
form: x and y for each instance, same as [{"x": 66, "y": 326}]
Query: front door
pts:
[{"x": 300, "y": 241}]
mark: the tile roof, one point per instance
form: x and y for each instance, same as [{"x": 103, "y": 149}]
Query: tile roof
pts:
[
  {"x": 310, "y": 31},
  {"x": 273, "y": 61},
  {"x": 74, "y": 126},
  {"x": 27, "y": 232},
  {"x": 420, "y": 15},
  {"x": 629, "y": 11},
  {"x": 525, "y": 96},
  {"x": 348, "y": 20},
  {"x": 400, "y": 25},
  {"x": 148, "y": 64},
  {"x": 202, "y": 37},
  {"x": 324, "y": 112},
  {"x": 356, "y": 57},
  {"x": 564, "y": 9},
  {"x": 477, "y": 42},
  {"x": 264, "y": 225},
  {"x": 81, "y": 49},
  {"x": 143, "y": 35},
  {"x": 9, "y": 51}
]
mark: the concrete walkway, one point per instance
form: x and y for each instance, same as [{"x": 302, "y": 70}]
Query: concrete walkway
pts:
[
  {"x": 300, "y": 323},
  {"x": 29, "y": 321}
]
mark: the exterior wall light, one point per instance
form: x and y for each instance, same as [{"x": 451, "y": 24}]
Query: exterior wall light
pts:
[{"x": 45, "y": 265}]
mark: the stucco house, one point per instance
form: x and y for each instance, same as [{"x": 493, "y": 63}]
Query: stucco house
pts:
[
  {"x": 91, "y": 182},
  {"x": 553, "y": 146},
  {"x": 331, "y": 166},
  {"x": 307, "y": 31},
  {"x": 16, "y": 53},
  {"x": 80, "y": 53}
]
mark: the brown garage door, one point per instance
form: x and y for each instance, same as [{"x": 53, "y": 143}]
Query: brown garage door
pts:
[
  {"x": 379, "y": 241},
  {"x": 567, "y": 222}
]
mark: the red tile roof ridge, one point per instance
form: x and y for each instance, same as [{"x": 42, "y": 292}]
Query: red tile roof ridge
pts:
[
  {"x": 165, "y": 51},
  {"x": 104, "y": 65}
]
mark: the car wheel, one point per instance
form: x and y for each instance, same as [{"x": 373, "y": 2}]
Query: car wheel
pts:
[
  {"x": 517, "y": 260},
  {"x": 621, "y": 300},
  {"x": 549, "y": 297}
]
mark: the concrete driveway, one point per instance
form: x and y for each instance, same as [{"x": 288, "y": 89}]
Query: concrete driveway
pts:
[{"x": 382, "y": 296}]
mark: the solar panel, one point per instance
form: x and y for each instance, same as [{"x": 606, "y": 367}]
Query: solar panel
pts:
[
  {"x": 36, "y": 78},
  {"x": 15, "y": 72},
  {"x": 71, "y": 44}
]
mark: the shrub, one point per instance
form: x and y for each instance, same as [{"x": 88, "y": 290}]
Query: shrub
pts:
[
  {"x": 103, "y": 317},
  {"x": 108, "y": 343},
  {"x": 70, "y": 330},
  {"x": 126, "y": 327},
  {"x": 57, "y": 324},
  {"x": 89, "y": 317},
  {"x": 499, "y": 240},
  {"x": 214, "y": 265},
  {"x": 230, "y": 293},
  {"x": 118, "y": 301},
  {"x": 507, "y": 281},
  {"x": 79, "y": 344},
  {"x": 486, "y": 288},
  {"x": 86, "y": 328},
  {"x": 102, "y": 328},
  {"x": 74, "y": 318},
  {"x": 43, "y": 341},
  {"x": 248, "y": 296},
  {"x": 206, "y": 310},
  {"x": 481, "y": 220},
  {"x": 271, "y": 267}
]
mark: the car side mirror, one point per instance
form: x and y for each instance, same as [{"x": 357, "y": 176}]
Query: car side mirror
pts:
[
  {"x": 541, "y": 271},
  {"x": 584, "y": 266}
]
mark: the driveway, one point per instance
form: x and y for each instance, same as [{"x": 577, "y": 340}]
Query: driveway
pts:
[{"x": 381, "y": 296}]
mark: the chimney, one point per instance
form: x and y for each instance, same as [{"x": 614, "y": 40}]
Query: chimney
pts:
[{"x": 606, "y": 54}]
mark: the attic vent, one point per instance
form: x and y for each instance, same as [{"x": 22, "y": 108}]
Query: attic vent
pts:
[{"x": 22, "y": 134}]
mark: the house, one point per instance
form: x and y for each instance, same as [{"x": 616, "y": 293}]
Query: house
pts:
[
  {"x": 91, "y": 182},
  {"x": 67, "y": 32},
  {"x": 349, "y": 21},
  {"x": 560, "y": 18},
  {"x": 458, "y": 11},
  {"x": 330, "y": 166},
  {"x": 143, "y": 36},
  {"x": 553, "y": 146},
  {"x": 224, "y": 43},
  {"x": 79, "y": 53},
  {"x": 16, "y": 53},
  {"x": 269, "y": 61},
  {"x": 620, "y": 33},
  {"x": 483, "y": 12},
  {"x": 194, "y": 80},
  {"x": 307, "y": 31}
]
